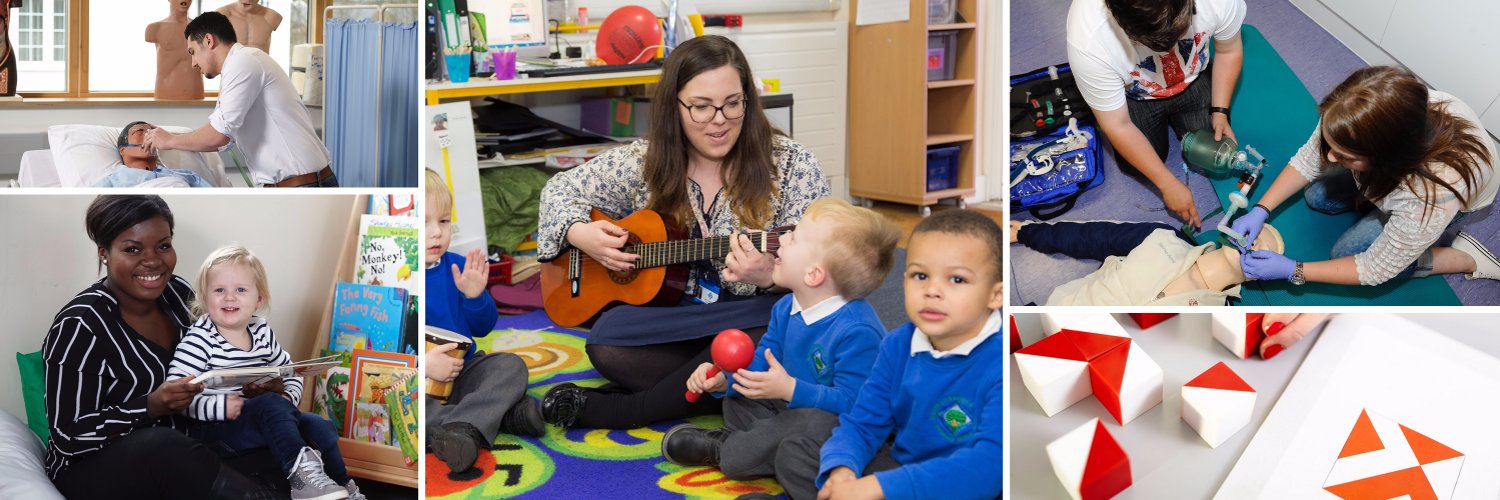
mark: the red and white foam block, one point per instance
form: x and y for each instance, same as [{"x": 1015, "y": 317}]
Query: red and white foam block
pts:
[
  {"x": 1100, "y": 323},
  {"x": 1148, "y": 320},
  {"x": 1217, "y": 403},
  {"x": 1055, "y": 372},
  {"x": 1125, "y": 380},
  {"x": 1061, "y": 370},
  {"x": 1090, "y": 463},
  {"x": 1015, "y": 336},
  {"x": 1239, "y": 332}
]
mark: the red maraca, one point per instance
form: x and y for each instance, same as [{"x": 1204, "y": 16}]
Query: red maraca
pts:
[{"x": 732, "y": 351}]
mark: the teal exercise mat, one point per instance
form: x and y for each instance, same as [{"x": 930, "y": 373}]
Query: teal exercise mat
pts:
[{"x": 1274, "y": 113}]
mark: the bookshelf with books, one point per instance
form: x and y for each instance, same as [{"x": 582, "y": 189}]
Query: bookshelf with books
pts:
[{"x": 366, "y": 460}]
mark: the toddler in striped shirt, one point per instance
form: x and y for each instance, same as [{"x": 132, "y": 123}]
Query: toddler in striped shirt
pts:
[{"x": 232, "y": 287}]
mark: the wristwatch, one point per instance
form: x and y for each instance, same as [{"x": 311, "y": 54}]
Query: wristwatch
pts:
[{"x": 1297, "y": 277}]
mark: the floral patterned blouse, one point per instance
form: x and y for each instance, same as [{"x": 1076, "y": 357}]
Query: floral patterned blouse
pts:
[{"x": 613, "y": 182}]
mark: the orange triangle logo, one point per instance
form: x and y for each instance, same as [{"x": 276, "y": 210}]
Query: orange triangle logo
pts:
[
  {"x": 1363, "y": 439},
  {"x": 1426, "y": 450}
]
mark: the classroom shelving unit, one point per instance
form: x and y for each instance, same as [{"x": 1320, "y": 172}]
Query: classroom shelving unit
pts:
[{"x": 895, "y": 113}]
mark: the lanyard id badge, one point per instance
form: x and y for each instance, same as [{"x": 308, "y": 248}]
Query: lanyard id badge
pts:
[{"x": 708, "y": 276}]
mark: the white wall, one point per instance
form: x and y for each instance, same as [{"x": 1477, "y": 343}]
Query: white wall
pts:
[
  {"x": 47, "y": 258},
  {"x": 1450, "y": 44},
  {"x": 992, "y": 185}
]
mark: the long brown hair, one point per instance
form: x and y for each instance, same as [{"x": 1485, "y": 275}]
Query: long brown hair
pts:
[
  {"x": 749, "y": 173},
  {"x": 1382, "y": 113}
]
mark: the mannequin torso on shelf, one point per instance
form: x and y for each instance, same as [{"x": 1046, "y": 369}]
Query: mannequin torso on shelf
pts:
[
  {"x": 253, "y": 23},
  {"x": 175, "y": 76}
]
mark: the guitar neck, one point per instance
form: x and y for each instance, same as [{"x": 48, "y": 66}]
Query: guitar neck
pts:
[{"x": 667, "y": 253}]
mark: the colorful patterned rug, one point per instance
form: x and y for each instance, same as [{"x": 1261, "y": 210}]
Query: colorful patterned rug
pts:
[{"x": 577, "y": 463}]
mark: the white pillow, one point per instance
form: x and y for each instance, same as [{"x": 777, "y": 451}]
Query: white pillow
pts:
[
  {"x": 86, "y": 153},
  {"x": 21, "y": 458}
]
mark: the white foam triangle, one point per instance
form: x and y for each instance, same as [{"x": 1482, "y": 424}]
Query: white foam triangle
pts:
[
  {"x": 1055, "y": 383},
  {"x": 1070, "y": 455},
  {"x": 1100, "y": 323},
  {"x": 1219, "y": 413}
]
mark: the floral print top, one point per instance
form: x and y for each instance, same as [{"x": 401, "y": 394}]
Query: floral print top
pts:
[{"x": 614, "y": 183}]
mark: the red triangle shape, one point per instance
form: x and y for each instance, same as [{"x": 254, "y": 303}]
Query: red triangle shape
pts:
[
  {"x": 1054, "y": 346},
  {"x": 1107, "y": 470},
  {"x": 1253, "y": 333},
  {"x": 1411, "y": 483},
  {"x": 1426, "y": 449},
  {"x": 1015, "y": 336},
  {"x": 1363, "y": 438},
  {"x": 1093, "y": 345},
  {"x": 1220, "y": 376}
]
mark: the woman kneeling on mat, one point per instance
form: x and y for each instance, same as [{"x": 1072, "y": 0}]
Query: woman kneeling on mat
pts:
[
  {"x": 1418, "y": 156},
  {"x": 714, "y": 165}
]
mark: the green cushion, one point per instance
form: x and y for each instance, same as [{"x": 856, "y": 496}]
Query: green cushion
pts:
[{"x": 33, "y": 387}]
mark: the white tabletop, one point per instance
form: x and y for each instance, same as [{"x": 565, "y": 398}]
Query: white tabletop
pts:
[{"x": 1167, "y": 458}]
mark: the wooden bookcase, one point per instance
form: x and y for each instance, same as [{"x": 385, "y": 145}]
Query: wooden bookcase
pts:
[
  {"x": 895, "y": 113},
  {"x": 364, "y": 460}
]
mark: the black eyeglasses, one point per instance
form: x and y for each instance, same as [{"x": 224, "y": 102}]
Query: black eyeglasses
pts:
[{"x": 704, "y": 113}]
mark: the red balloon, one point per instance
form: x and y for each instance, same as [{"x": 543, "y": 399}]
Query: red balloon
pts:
[{"x": 628, "y": 35}]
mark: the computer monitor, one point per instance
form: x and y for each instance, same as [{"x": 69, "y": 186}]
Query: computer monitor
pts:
[{"x": 513, "y": 23}]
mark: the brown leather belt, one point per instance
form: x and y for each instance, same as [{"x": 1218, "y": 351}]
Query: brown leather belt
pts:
[{"x": 304, "y": 179}]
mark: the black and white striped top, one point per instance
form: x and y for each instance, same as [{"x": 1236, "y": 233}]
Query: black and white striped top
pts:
[
  {"x": 99, "y": 372},
  {"x": 204, "y": 349}
]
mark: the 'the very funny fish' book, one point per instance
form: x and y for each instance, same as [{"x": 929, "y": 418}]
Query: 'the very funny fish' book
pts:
[{"x": 367, "y": 317}]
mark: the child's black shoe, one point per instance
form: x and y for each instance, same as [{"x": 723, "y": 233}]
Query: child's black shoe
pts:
[
  {"x": 457, "y": 444},
  {"x": 690, "y": 445},
  {"x": 562, "y": 404},
  {"x": 523, "y": 419}
]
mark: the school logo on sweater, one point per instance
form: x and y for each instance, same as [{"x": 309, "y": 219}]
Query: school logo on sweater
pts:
[
  {"x": 954, "y": 417},
  {"x": 820, "y": 364}
]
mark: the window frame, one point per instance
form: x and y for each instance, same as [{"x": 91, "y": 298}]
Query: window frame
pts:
[{"x": 78, "y": 56}]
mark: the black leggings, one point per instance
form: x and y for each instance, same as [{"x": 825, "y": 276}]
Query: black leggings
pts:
[
  {"x": 152, "y": 463},
  {"x": 649, "y": 384}
]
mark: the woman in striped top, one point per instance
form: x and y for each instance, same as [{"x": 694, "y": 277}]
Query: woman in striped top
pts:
[
  {"x": 113, "y": 415},
  {"x": 228, "y": 334}
]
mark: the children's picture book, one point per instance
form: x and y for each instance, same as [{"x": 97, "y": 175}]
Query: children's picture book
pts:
[
  {"x": 389, "y": 251},
  {"x": 375, "y": 374},
  {"x": 394, "y": 204},
  {"x": 331, "y": 397},
  {"x": 410, "y": 330},
  {"x": 440, "y": 337},
  {"x": 367, "y": 317},
  {"x": 402, "y": 406},
  {"x": 234, "y": 378},
  {"x": 371, "y": 424}
]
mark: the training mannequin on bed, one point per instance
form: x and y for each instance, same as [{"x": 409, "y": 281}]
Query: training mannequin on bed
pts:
[
  {"x": 175, "y": 76},
  {"x": 1145, "y": 263},
  {"x": 139, "y": 166},
  {"x": 253, "y": 23}
]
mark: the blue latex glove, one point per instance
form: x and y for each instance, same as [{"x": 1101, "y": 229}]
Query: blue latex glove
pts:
[
  {"x": 1249, "y": 225},
  {"x": 1267, "y": 265}
]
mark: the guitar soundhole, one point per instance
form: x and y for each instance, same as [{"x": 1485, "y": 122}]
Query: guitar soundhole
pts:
[{"x": 625, "y": 277}]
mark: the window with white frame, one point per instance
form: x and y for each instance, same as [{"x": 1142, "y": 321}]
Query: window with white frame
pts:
[{"x": 39, "y": 32}]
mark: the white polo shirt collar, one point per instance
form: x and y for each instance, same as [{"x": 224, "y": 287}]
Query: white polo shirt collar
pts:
[
  {"x": 920, "y": 343},
  {"x": 818, "y": 311}
]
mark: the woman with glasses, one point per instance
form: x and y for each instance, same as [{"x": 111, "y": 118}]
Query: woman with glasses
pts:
[
  {"x": 715, "y": 166},
  {"x": 1416, "y": 162}
]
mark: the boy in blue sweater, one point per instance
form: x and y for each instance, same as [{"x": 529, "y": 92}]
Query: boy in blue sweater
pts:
[
  {"x": 815, "y": 354},
  {"x": 489, "y": 390},
  {"x": 936, "y": 383}
]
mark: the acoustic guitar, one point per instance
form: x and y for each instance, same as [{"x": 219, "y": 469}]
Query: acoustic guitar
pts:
[{"x": 576, "y": 288}]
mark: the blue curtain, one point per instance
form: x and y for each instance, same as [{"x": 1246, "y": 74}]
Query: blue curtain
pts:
[
  {"x": 353, "y": 68},
  {"x": 399, "y": 106}
]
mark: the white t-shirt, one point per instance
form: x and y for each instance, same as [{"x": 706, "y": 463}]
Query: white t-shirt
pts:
[
  {"x": 1109, "y": 67},
  {"x": 260, "y": 110},
  {"x": 1409, "y": 229}
]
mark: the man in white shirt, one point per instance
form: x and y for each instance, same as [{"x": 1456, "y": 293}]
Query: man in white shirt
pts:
[
  {"x": 259, "y": 113},
  {"x": 1137, "y": 62}
]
